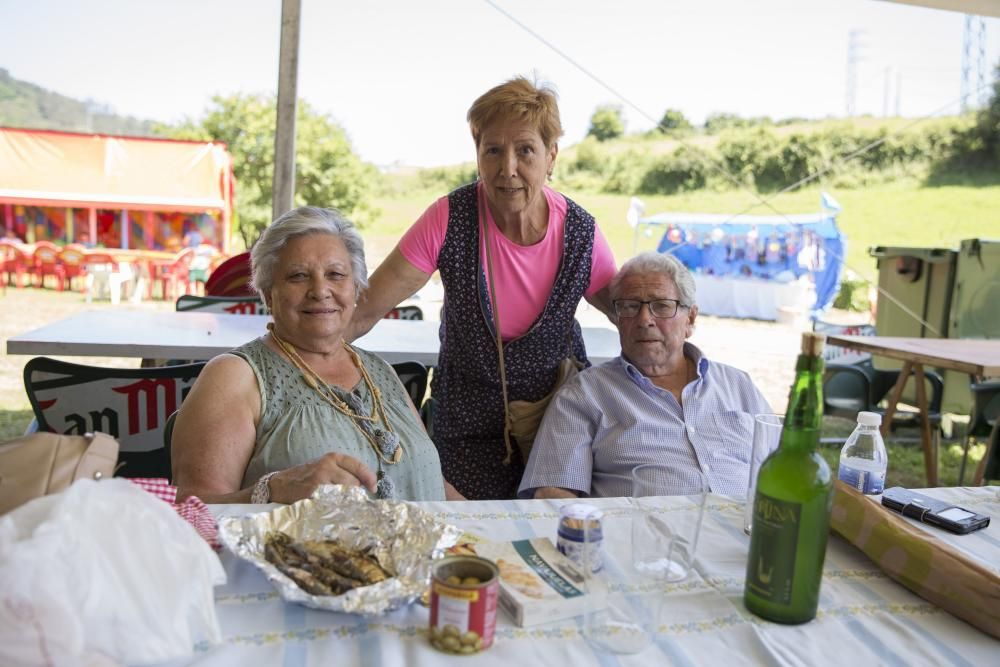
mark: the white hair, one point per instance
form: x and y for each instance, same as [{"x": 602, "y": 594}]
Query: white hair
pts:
[
  {"x": 303, "y": 221},
  {"x": 663, "y": 264}
]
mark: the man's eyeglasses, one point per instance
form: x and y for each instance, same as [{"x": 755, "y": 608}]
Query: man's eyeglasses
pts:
[{"x": 662, "y": 309}]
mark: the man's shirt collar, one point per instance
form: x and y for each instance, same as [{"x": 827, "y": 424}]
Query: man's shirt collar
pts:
[{"x": 691, "y": 351}]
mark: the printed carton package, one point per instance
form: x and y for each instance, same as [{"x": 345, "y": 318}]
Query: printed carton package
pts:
[{"x": 537, "y": 583}]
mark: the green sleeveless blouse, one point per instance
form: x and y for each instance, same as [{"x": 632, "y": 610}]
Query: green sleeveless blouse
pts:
[{"x": 297, "y": 425}]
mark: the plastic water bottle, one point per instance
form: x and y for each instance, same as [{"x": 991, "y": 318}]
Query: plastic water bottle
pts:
[{"x": 863, "y": 460}]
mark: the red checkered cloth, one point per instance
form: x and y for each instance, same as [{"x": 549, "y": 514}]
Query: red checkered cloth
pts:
[{"x": 192, "y": 510}]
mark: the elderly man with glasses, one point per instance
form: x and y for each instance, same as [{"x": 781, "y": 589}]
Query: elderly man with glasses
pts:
[{"x": 662, "y": 401}]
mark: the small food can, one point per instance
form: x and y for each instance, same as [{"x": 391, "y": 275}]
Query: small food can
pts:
[
  {"x": 571, "y": 534},
  {"x": 463, "y": 604}
]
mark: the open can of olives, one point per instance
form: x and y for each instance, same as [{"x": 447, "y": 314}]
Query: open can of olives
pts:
[{"x": 463, "y": 604}]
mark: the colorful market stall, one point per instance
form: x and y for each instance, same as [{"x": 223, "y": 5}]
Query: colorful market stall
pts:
[
  {"x": 754, "y": 266},
  {"x": 114, "y": 192}
]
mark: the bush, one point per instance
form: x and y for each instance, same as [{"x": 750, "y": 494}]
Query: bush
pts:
[
  {"x": 743, "y": 153},
  {"x": 718, "y": 122},
  {"x": 624, "y": 173},
  {"x": 590, "y": 157},
  {"x": 853, "y": 295},
  {"x": 679, "y": 171},
  {"x": 446, "y": 179}
]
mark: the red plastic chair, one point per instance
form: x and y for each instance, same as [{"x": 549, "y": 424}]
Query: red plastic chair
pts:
[
  {"x": 173, "y": 273},
  {"x": 46, "y": 262},
  {"x": 231, "y": 278},
  {"x": 70, "y": 266},
  {"x": 15, "y": 262}
]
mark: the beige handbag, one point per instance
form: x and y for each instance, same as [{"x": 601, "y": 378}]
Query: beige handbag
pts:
[
  {"x": 38, "y": 464},
  {"x": 524, "y": 417}
]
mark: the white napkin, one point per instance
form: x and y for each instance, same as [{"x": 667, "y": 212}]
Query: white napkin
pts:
[{"x": 103, "y": 572}]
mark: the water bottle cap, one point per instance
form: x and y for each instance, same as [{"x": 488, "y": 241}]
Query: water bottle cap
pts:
[{"x": 870, "y": 418}]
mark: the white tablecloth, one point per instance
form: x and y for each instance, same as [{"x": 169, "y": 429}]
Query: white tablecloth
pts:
[
  {"x": 864, "y": 618},
  {"x": 751, "y": 297}
]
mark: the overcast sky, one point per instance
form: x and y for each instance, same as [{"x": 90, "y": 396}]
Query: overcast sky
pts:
[{"x": 399, "y": 75}]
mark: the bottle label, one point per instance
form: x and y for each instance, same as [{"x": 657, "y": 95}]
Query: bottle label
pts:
[
  {"x": 775, "y": 540},
  {"x": 871, "y": 483}
]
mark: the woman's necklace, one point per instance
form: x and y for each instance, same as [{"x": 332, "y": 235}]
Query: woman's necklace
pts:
[{"x": 385, "y": 441}]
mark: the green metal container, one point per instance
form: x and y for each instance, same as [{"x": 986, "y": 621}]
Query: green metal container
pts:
[
  {"x": 975, "y": 310},
  {"x": 915, "y": 297}
]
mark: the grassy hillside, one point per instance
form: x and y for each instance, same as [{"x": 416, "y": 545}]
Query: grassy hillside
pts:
[
  {"x": 660, "y": 144},
  {"x": 904, "y": 213},
  {"x": 24, "y": 104}
]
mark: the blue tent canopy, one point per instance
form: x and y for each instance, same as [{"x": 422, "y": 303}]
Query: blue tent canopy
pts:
[{"x": 778, "y": 247}]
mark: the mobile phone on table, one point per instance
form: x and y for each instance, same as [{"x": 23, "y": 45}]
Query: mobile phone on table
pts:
[{"x": 933, "y": 511}]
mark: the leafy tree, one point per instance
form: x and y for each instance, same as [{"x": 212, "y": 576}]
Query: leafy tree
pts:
[
  {"x": 607, "y": 123},
  {"x": 674, "y": 121},
  {"x": 989, "y": 121},
  {"x": 327, "y": 172}
]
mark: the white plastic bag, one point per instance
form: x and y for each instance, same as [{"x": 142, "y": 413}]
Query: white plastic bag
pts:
[{"x": 101, "y": 573}]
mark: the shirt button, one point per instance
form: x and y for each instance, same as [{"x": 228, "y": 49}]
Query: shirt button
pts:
[{"x": 707, "y": 469}]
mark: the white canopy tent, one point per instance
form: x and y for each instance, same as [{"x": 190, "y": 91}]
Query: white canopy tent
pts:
[
  {"x": 978, "y": 7},
  {"x": 291, "y": 12}
]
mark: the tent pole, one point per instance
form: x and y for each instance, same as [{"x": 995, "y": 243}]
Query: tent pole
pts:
[
  {"x": 283, "y": 195},
  {"x": 92, "y": 223},
  {"x": 69, "y": 225},
  {"x": 8, "y": 215},
  {"x": 227, "y": 210},
  {"x": 124, "y": 226}
]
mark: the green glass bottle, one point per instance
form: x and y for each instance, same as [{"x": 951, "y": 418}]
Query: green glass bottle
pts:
[{"x": 791, "y": 511}]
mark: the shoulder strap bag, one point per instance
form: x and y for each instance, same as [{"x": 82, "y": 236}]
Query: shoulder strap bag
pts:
[{"x": 38, "y": 464}]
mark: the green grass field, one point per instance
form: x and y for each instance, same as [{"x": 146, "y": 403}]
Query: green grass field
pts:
[{"x": 903, "y": 213}]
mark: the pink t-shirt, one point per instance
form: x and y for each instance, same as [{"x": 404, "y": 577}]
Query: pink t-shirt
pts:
[{"x": 524, "y": 274}]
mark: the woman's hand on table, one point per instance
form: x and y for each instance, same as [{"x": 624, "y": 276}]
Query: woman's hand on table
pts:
[{"x": 300, "y": 481}]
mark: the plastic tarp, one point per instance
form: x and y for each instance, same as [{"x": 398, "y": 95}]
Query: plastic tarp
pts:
[
  {"x": 775, "y": 248},
  {"x": 47, "y": 168}
]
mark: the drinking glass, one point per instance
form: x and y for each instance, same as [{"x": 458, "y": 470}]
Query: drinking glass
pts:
[
  {"x": 624, "y": 608},
  {"x": 664, "y": 544},
  {"x": 766, "y": 436}
]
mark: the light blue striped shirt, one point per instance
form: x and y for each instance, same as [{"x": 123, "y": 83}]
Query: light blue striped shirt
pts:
[{"x": 610, "y": 418}]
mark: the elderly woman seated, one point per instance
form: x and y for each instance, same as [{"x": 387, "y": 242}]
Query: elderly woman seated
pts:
[{"x": 299, "y": 407}]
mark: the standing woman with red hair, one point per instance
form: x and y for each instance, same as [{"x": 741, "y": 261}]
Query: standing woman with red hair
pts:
[{"x": 546, "y": 254}]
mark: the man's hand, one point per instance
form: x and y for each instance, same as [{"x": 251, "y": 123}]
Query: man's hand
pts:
[
  {"x": 545, "y": 492},
  {"x": 451, "y": 493},
  {"x": 300, "y": 481}
]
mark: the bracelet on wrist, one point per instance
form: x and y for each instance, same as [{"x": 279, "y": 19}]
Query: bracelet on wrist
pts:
[{"x": 261, "y": 493}]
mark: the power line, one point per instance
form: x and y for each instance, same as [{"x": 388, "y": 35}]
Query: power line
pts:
[{"x": 766, "y": 202}]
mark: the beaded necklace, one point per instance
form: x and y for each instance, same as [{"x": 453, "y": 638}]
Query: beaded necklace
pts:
[{"x": 384, "y": 441}]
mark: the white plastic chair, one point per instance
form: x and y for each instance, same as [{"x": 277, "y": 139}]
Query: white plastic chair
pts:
[{"x": 104, "y": 275}]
